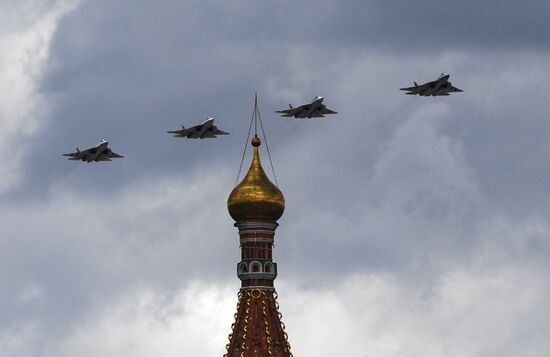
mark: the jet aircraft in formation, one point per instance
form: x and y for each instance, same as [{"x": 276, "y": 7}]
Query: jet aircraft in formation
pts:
[
  {"x": 205, "y": 130},
  {"x": 440, "y": 86},
  {"x": 315, "y": 109},
  {"x": 100, "y": 152}
]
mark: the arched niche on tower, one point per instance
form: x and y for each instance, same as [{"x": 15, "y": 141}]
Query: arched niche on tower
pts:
[
  {"x": 269, "y": 267},
  {"x": 242, "y": 268},
  {"x": 255, "y": 267}
]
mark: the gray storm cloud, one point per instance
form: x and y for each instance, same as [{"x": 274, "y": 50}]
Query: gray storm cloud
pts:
[{"x": 417, "y": 225}]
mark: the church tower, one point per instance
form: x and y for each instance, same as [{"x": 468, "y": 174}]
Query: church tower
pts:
[{"x": 256, "y": 204}]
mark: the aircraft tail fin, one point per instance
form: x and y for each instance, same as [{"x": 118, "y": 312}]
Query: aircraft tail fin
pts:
[
  {"x": 78, "y": 150},
  {"x": 182, "y": 127},
  {"x": 416, "y": 85},
  {"x": 290, "y": 106}
]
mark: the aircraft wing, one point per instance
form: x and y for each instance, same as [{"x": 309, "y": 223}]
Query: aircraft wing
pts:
[
  {"x": 310, "y": 111},
  {"x": 73, "y": 155},
  {"x": 220, "y": 132},
  {"x": 193, "y": 132},
  {"x": 315, "y": 113},
  {"x": 294, "y": 112},
  {"x": 417, "y": 89},
  {"x": 180, "y": 133},
  {"x": 115, "y": 155},
  {"x": 87, "y": 155},
  {"x": 107, "y": 155},
  {"x": 446, "y": 89},
  {"x": 212, "y": 132},
  {"x": 411, "y": 90},
  {"x": 454, "y": 89},
  {"x": 288, "y": 112},
  {"x": 325, "y": 110}
]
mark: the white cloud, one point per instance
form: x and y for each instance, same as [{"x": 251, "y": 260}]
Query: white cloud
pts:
[
  {"x": 17, "y": 341},
  {"x": 473, "y": 309},
  {"x": 419, "y": 160},
  {"x": 28, "y": 27},
  {"x": 469, "y": 310},
  {"x": 30, "y": 292},
  {"x": 160, "y": 223},
  {"x": 189, "y": 323}
]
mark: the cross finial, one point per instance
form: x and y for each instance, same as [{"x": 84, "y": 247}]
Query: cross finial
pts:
[{"x": 255, "y": 114}]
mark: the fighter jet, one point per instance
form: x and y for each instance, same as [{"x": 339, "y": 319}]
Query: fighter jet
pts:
[
  {"x": 315, "y": 109},
  {"x": 205, "y": 130},
  {"x": 98, "y": 153},
  {"x": 440, "y": 86}
]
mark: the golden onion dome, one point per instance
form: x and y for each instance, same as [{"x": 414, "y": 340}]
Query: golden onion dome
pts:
[{"x": 255, "y": 197}]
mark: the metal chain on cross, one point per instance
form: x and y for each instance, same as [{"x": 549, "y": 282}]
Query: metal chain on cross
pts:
[
  {"x": 245, "y": 146},
  {"x": 265, "y": 139},
  {"x": 254, "y": 119}
]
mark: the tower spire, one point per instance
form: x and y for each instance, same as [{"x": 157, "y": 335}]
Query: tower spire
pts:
[
  {"x": 256, "y": 114},
  {"x": 256, "y": 204}
]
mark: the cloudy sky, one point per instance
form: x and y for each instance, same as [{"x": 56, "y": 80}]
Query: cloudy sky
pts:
[{"x": 413, "y": 227}]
